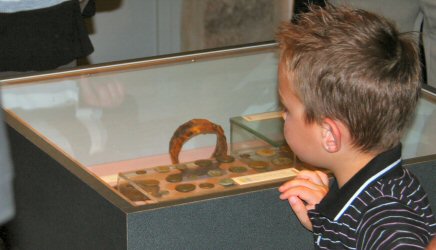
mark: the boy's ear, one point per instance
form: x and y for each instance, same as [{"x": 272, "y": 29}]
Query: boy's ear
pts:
[{"x": 331, "y": 136}]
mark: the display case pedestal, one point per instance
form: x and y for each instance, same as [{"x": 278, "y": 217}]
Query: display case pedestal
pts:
[{"x": 56, "y": 210}]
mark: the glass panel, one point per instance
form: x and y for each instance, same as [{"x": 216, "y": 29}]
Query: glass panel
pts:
[
  {"x": 120, "y": 115},
  {"x": 268, "y": 129},
  {"x": 118, "y": 124}
]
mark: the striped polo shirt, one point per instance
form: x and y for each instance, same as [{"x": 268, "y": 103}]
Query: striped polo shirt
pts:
[{"x": 383, "y": 206}]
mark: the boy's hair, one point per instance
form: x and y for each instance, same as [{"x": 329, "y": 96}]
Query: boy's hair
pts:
[{"x": 355, "y": 67}]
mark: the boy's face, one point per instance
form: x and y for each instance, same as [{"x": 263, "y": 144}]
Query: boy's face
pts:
[{"x": 302, "y": 137}]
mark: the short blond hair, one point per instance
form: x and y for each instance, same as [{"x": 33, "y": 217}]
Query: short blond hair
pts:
[{"x": 353, "y": 66}]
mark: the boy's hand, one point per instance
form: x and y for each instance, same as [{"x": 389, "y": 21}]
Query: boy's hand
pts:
[{"x": 303, "y": 192}]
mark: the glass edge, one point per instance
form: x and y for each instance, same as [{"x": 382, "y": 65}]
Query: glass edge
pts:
[
  {"x": 68, "y": 163},
  {"x": 239, "y": 121},
  {"x": 141, "y": 62},
  {"x": 419, "y": 160},
  {"x": 429, "y": 93}
]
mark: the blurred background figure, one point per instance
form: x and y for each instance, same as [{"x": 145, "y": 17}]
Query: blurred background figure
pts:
[
  {"x": 42, "y": 35},
  {"x": 36, "y": 36},
  {"x": 6, "y": 190}
]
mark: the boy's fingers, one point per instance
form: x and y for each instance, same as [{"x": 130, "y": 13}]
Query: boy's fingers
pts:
[
  {"x": 304, "y": 192},
  {"x": 304, "y": 183},
  {"x": 300, "y": 211},
  {"x": 310, "y": 196},
  {"x": 313, "y": 176}
]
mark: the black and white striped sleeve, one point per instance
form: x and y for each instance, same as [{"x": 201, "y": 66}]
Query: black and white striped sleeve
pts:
[{"x": 388, "y": 224}]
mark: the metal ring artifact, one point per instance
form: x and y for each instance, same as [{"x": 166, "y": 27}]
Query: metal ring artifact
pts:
[{"x": 193, "y": 128}]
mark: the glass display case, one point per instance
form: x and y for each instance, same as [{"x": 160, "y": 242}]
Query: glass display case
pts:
[
  {"x": 257, "y": 132},
  {"x": 261, "y": 129},
  {"x": 92, "y": 144},
  {"x": 120, "y": 121}
]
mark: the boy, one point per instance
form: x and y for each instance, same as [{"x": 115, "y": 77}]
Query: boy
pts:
[{"x": 349, "y": 83}]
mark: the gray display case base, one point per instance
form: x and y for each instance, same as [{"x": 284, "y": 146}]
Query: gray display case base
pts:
[{"x": 56, "y": 210}]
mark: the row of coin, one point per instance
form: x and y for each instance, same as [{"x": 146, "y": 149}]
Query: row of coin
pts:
[{"x": 188, "y": 187}]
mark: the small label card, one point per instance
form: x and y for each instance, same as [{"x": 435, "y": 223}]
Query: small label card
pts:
[
  {"x": 263, "y": 116},
  {"x": 267, "y": 176}
]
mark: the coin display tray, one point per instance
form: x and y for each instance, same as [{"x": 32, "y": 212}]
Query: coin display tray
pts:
[{"x": 201, "y": 177}]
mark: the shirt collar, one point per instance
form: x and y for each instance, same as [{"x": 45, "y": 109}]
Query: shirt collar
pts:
[{"x": 337, "y": 200}]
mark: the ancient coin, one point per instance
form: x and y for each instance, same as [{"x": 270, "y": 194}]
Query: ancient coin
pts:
[
  {"x": 280, "y": 161},
  {"x": 245, "y": 156},
  {"x": 184, "y": 188},
  {"x": 226, "y": 182},
  {"x": 191, "y": 176},
  {"x": 206, "y": 185},
  {"x": 266, "y": 152},
  {"x": 174, "y": 178},
  {"x": 162, "y": 169},
  {"x": 156, "y": 193},
  {"x": 238, "y": 169},
  {"x": 200, "y": 171},
  {"x": 181, "y": 167},
  {"x": 141, "y": 172},
  {"x": 225, "y": 158},
  {"x": 215, "y": 172},
  {"x": 203, "y": 163},
  {"x": 164, "y": 192},
  {"x": 285, "y": 154},
  {"x": 285, "y": 148},
  {"x": 258, "y": 165}
]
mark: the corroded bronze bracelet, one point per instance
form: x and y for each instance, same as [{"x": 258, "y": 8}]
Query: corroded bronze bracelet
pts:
[{"x": 195, "y": 127}]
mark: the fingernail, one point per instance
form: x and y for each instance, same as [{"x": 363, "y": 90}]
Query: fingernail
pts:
[{"x": 292, "y": 200}]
